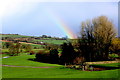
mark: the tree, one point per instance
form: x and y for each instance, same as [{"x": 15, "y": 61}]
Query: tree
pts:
[
  {"x": 7, "y": 44},
  {"x": 115, "y": 48},
  {"x": 54, "y": 56},
  {"x": 18, "y": 48},
  {"x": 96, "y": 37},
  {"x": 15, "y": 49},
  {"x": 67, "y": 54},
  {"x": 44, "y": 36},
  {"x": 27, "y": 47}
]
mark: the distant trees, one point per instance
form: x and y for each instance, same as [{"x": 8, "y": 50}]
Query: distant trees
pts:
[
  {"x": 44, "y": 36},
  {"x": 50, "y": 46},
  {"x": 27, "y": 47},
  {"x": 14, "y": 49},
  {"x": 7, "y": 44},
  {"x": 96, "y": 38}
]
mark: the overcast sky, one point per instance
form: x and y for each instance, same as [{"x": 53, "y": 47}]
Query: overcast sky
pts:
[{"x": 38, "y": 18}]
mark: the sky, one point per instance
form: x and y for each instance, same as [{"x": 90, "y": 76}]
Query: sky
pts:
[{"x": 57, "y": 19}]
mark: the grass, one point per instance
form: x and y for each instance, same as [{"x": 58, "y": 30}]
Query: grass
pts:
[
  {"x": 35, "y": 45},
  {"x": 5, "y": 50},
  {"x": 56, "y": 72},
  {"x": 23, "y": 60},
  {"x": 36, "y": 50},
  {"x": 109, "y": 65},
  {"x": 113, "y": 55}
]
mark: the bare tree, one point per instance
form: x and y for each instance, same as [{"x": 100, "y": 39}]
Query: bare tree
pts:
[{"x": 96, "y": 37}]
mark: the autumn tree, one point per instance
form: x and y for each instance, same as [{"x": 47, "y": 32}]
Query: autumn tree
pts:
[
  {"x": 96, "y": 38},
  {"x": 115, "y": 47}
]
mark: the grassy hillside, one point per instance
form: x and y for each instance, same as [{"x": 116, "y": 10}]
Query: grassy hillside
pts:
[
  {"x": 15, "y": 36},
  {"x": 46, "y": 40}
]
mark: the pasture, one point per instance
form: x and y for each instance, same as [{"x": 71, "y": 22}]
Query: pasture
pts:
[{"x": 57, "y": 71}]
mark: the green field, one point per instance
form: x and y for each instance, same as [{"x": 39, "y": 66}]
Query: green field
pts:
[
  {"x": 51, "y": 41},
  {"x": 22, "y": 60},
  {"x": 46, "y": 40},
  {"x": 57, "y": 72},
  {"x": 16, "y": 36},
  {"x": 35, "y": 45}
]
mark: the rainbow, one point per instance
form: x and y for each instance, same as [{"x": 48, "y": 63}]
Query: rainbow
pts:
[{"x": 61, "y": 24}]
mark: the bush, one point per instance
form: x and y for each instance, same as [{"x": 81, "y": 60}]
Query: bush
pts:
[
  {"x": 32, "y": 52},
  {"x": 43, "y": 56},
  {"x": 48, "y": 56}
]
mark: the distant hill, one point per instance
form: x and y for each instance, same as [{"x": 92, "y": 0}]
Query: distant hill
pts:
[{"x": 15, "y": 36}]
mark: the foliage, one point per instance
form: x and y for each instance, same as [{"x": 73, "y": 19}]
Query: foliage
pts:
[
  {"x": 48, "y": 56},
  {"x": 27, "y": 47},
  {"x": 54, "y": 58},
  {"x": 50, "y": 46},
  {"x": 43, "y": 56},
  {"x": 14, "y": 49},
  {"x": 96, "y": 38},
  {"x": 115, "y": 47},
  {"x": 6, "y": 44},
  {"x": 113, "y": 56},
  {"x": 32, "y": 52},
  {"x": 67, "y": 54}
]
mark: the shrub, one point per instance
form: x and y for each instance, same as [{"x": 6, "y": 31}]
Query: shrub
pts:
[
  {"x": 32, "y": 52},
  {"x": 43, "y": 56}
]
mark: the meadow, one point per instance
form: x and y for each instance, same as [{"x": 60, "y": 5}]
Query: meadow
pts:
[{"x": 58, "y": 71}]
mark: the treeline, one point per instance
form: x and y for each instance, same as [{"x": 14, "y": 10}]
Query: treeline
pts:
[
  {"x": 16, "y": 48},
  {"x": 9, "y": 34}
]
